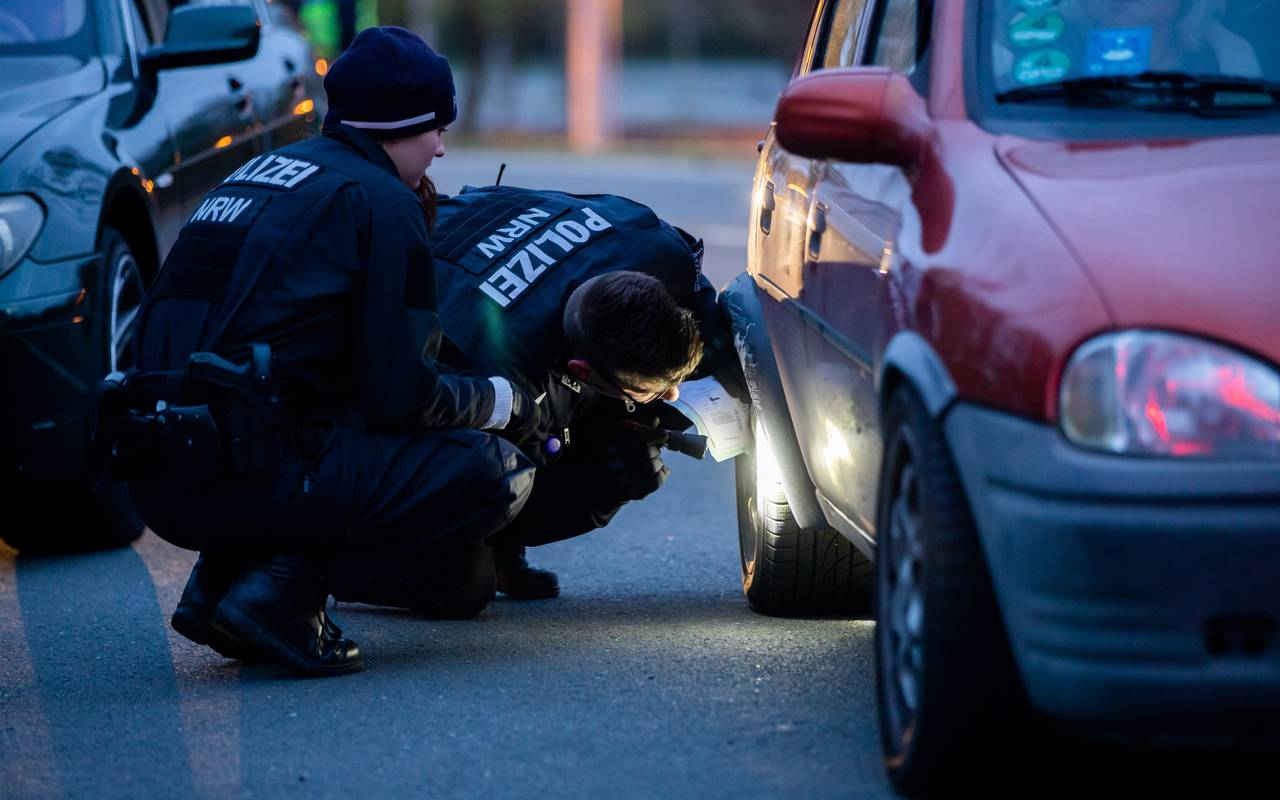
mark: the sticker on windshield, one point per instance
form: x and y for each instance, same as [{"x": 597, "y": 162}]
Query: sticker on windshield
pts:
[
  {"x": 1036, "y": 29},
  {"x": 1042, "y": 66},
  {"x": 1037, "y": 5},
  {"x": 1118, "y": 51}
]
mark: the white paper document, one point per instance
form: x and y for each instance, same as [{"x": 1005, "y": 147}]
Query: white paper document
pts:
[{"x": 725, "y": 422}]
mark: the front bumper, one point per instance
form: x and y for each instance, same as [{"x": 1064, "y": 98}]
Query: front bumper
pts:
[
  {"x": 51, "y": 355},
  {"x": 1139, "y": 594}
]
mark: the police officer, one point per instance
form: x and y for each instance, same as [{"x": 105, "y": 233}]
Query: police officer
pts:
[
  {"x": 600, "y": 309},
  {"x": 318, "y": 253}
]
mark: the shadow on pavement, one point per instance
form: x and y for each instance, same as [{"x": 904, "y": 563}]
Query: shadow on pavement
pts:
[{"x": 97, "y": 643}]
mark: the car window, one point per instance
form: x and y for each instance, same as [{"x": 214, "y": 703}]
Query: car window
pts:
[
  {"x": 1035, "y": 43},
  {"x": 45, "y": 26},
  {"x": 896, "y": 44},
  {"x": 141, "y": 29},
  {"x": 156, "y": 12},
  {"x": 841, "y": 46}
]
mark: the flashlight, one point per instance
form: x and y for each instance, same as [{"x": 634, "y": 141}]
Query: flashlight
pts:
[{"x": 691, "y": 444}]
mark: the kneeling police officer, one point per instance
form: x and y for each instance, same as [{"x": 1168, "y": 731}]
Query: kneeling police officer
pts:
[
  {"x": 293, "y": 415},
  {"x": 598, "y": 309}
]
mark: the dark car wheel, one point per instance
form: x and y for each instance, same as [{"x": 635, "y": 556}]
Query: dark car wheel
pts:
[
  {"x": 789, "y": 570},
  {"x": 65, "y": 515},
  {"x": 950, "y": 702}
]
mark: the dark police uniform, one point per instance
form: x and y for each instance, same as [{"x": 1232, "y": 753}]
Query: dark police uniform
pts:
[
  {"x": 321, "y": 252},
  {"x": 507, "y": 260}
]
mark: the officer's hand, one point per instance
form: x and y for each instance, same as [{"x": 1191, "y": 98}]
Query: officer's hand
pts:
[
  {"x": 527, "y": 417},
  {"x": 633, "y": 460}
]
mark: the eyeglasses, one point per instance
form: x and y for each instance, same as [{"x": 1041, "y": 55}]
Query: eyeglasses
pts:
[{"x": 627, "y": 397}]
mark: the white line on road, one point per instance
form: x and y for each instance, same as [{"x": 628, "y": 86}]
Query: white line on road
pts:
[
  {"x": 208, "y": 698},
  {"x": 30, "y": 763}
]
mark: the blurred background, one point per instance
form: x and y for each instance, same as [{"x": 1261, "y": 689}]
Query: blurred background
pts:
[
  {"x": 661, "y": 101},
  {"x": 594, "y": 73}
]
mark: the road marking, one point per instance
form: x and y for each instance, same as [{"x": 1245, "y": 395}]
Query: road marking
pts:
[
  {"x": 208, "y": 688},
  {"x": 30, "y": 763}
]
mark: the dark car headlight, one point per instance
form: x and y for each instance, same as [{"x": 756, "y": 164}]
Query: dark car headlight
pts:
[
  {"x": 21, "y": 219},
  {"x": 1165, "y": 394}
]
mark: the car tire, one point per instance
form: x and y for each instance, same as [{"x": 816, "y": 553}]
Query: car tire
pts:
[
  {"x": 57, "y": 516},
  {"x": 788, "y": 570},
  {"x": 950, "y": 703}
]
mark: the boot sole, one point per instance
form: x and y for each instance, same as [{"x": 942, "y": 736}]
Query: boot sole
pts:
[
  {"x": 244, "y": 625},
  {"x": 194, "y": 625}
]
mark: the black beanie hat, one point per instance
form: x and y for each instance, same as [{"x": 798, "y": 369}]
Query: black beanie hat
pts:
[{"x": 390, "y": 84}]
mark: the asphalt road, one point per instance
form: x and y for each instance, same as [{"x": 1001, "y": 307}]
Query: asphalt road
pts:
[{"x": 648, "y": 677}]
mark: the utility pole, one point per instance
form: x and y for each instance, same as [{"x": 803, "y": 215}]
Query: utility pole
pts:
[
  {"x": 420, "y": 17},
  {"x": 593, "y": 45}
]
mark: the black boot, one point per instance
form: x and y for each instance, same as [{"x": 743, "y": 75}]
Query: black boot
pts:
[
  {"x": 193, "y": 618},
  {"x": 278, "y": 607},
  {"x": 518, "y": 580}
]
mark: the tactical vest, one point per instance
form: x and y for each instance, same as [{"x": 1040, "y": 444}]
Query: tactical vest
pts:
[{"x": 508, "y": 258}]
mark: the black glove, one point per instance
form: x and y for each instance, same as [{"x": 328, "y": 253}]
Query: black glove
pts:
[
  {"x": 527, "y": 417},
  {"x": 633, "y": 460}
]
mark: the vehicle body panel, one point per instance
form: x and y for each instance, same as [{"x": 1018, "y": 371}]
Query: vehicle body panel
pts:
[
  {"x": 92, "y": 139},
  {"x": 1213, "y": 202}
]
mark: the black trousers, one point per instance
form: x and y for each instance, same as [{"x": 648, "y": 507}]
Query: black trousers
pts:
[
  {"x": 569, "y": 498},
  {"x": 389, "y": 513}
]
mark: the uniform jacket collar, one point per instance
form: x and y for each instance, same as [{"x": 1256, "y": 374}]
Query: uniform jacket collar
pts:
[{"x": 364, "y": 144}]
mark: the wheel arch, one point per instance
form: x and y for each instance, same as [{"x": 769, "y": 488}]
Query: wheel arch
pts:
[
  {"x": 910, "y": 359},
  {"x": 125, "y": 209},
  {"x": 740, "y": 303}
]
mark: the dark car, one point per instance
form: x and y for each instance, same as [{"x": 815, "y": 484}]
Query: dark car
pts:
[
  {"x": 1010, "y": 328},
  {"x": 116, "y": 116}
]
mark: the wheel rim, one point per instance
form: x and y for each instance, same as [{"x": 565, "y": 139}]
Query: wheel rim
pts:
[
  {"x": 126, "y": 300},
  {"x": 749, "y": 536},
  {"x": 903, "y": 621}
]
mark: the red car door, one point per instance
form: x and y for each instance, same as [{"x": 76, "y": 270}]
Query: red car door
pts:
[{"x": 780, "y": 228}]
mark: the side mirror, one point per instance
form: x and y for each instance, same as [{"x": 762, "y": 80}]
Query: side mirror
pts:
[
  {"x": 200, "y": 35},
  {"x": 864, "y": 115}
]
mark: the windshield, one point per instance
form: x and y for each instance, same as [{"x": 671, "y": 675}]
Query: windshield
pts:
[
  {"x": 1037, "y": 42},
  {"x": 45, "y": 27}
]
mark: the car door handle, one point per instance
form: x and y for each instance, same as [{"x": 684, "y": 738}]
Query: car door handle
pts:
[
  {"x": 817, "y": 227},
  {"x": 243, "y": 99},
  {"x": 768, "y": 202}
]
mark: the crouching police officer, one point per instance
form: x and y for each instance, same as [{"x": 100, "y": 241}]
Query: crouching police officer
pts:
[
  {"x": 288, "y": 412},
  {"x": 597, "y": 308}
]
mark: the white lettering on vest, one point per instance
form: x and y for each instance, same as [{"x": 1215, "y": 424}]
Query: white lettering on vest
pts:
[
  {"x": 503, "y": 286},
  {"x": 273, "y": 170},
  {"x": 223, "y": 208},
  {"x": 515, "y": 229}
]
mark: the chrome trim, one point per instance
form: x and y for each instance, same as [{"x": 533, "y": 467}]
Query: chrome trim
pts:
[{"x": 130, "y": 42}]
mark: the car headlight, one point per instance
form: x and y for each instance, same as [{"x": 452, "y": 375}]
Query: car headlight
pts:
[
  {"x": 1163, "y": 394},
  {"x": 21, "y": 219}
]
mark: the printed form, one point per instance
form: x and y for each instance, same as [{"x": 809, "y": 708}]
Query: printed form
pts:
[{"x": 725, "y": 422}]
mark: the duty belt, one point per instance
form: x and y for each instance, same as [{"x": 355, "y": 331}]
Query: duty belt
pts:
[{"x": 213, "y": 417}]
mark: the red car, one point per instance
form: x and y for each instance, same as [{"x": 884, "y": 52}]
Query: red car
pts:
[{"x": 1012, "y": 331}]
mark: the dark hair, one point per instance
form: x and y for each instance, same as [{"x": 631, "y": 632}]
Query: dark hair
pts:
[
  {"x": 426, "y": 191},
  {"x": 630, "y": 326}
]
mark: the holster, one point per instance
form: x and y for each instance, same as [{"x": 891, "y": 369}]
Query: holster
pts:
[{"x": 214, "y": 417}]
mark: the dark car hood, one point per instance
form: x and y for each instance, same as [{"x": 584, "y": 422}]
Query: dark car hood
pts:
[
  {"x": 1177, "y": 234},
  {"x": 34, "y": 90}
]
